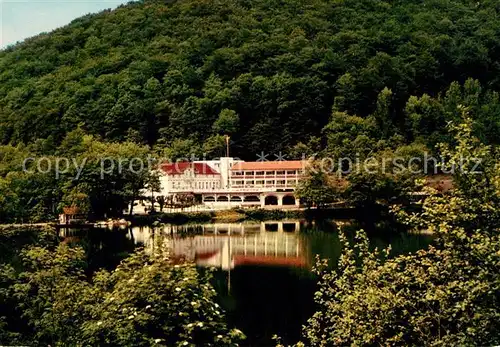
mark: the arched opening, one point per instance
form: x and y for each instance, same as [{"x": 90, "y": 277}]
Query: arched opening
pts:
[
  {"x": 235, "y": 199},
  {"x": 208, "y": 199},
  {"x": 222, "y": 199},
  {"x": 288, "y": 200},
  {"x": 209, "y": 229},
  {"x": 251, "y": 198},
  {"x": 222, "y": 230},
  {"x": 271, "y": 200}
]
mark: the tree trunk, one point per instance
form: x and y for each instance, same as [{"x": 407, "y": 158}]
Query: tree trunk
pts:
[{"x": 132, "y": 200}]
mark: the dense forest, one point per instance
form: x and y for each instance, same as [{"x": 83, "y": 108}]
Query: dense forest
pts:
[
  {"x": 55, "y": 293},
  {"x": 177, "y": 75},
  {"x": 378, "y": 79}
]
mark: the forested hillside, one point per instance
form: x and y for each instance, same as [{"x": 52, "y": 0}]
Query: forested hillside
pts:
[{"x": 179, "y": 74}]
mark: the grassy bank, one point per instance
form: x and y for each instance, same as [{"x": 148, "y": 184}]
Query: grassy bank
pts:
[
  {"x": 172, "y": 218},
  {"x": 262, "y": 214},
  {"x": 226, "y": 216},
  {"x": 238, "y": 215}
]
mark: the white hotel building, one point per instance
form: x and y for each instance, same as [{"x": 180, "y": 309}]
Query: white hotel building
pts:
[{"x": 232, "y": 182}]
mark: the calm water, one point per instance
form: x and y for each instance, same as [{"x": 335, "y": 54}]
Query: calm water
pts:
[{"x": 262, "y": 271}]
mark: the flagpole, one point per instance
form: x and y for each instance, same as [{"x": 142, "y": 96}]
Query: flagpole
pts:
[{"x": 227, "y": 145}]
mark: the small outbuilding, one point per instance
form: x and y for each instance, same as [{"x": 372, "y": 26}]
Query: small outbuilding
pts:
[{"x": 72, "y": 215}]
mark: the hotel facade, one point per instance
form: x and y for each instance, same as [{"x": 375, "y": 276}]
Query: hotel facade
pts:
[{"x": 234, "y": 183}]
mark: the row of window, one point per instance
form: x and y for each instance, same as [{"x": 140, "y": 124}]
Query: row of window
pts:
[
  {"x": 195, "y": 185},
  {"x": 262, "y": 182},
  {"x": 264, "y": 173}
]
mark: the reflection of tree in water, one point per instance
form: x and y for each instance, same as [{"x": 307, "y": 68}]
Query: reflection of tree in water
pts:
[
  {"x": 265, "y": 299},
  {"x": 105, "y": 248},
  {"x": 269, "y": 300},
  {"x": 324, "y": 241},
  {"x": 13, "y": 240}
]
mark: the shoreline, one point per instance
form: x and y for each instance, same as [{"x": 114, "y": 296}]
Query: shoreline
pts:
[
  {"x": 228, "y": 216},
  {"x": 233, "y": 215},
  {"x": 26, "y": 225}
]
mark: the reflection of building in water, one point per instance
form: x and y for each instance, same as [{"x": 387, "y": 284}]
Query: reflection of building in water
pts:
[
  {"x": 69, "y": 235},
  {"x": 230, "y": 245}
]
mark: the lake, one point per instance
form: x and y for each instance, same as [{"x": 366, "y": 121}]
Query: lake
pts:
[{"x": 262, "y": 269}]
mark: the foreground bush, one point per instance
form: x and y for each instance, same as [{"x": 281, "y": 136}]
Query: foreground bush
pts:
[
  {"x": 146, "y": 301},
  {"x": 434, "y": 297},
  {"x": 447, "y": 295}
]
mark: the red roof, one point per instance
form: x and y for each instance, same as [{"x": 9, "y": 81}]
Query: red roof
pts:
[
  {"x": 178, "y": 168},
  {"x": 206, "y": 255}
]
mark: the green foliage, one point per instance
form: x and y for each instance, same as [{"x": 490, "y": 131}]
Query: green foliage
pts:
[
  {"x": 383, "y": 116},
  {"x": 302, "y": 151},
  {"x": 227, "y": 123},
  {"x": 154, "y": 72},
  {"x": 475, "y": 204},
  {"x": 445, "y": 295},
  {"x": 433, "y": 297},
  {"x": 182, "y": 150},
  {"x": 172, "y": 218},
  {"x": 385, "y": 177},
  {"x": 318, "y": 188},
  {"x": 214, "y": 146},
  {"x": 27, "y": 197},
  {"x": 13, "y": 239},
  {"x": 344, "y": 79},
  {"x": 146, "y": 300},
  {"x": 427, "y": 116},
  {"x": 263, "y": 214},
  {"x": 101, "y": 178},
  {"x": 76, "y": 198},
  {"x": 349, "y": 136}
]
